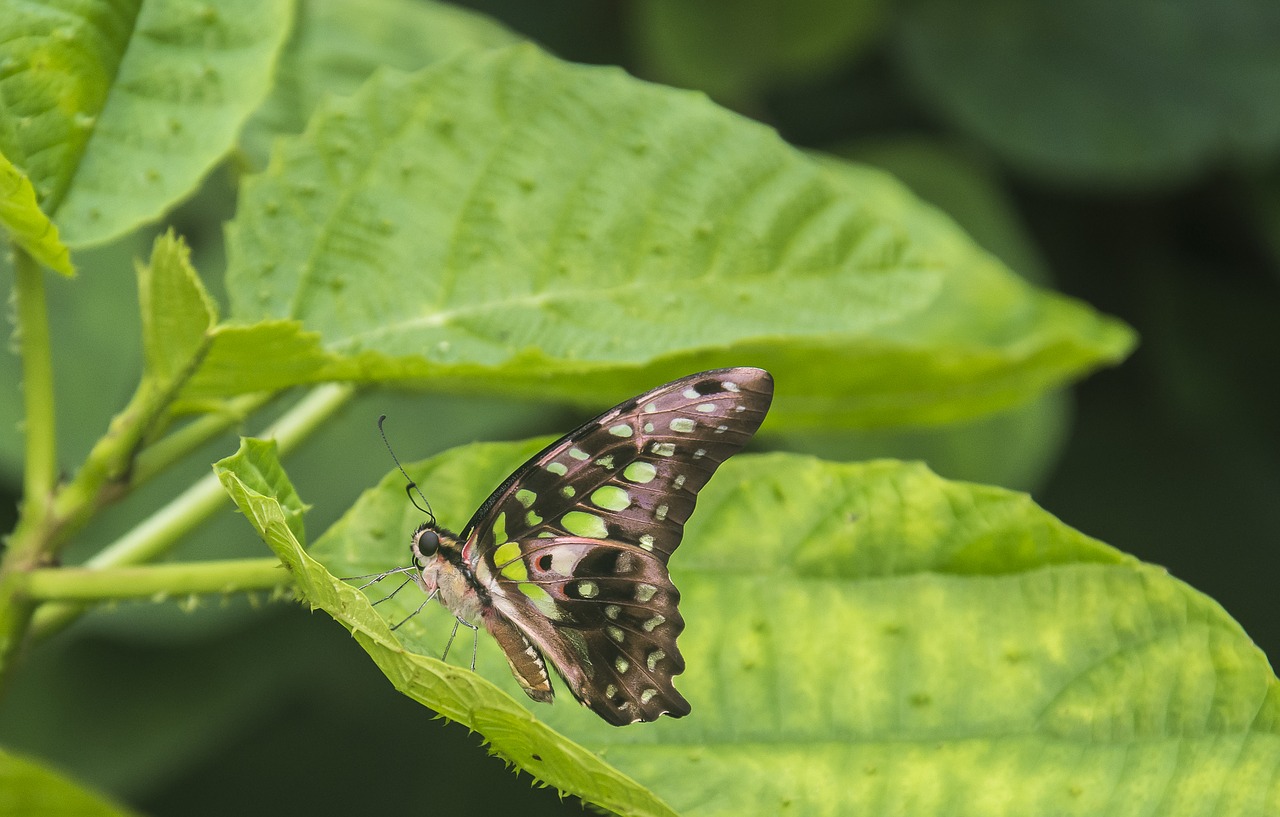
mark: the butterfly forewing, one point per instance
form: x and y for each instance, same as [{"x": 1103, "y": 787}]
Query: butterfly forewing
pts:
[
  {"x": 651, "y": 455},
  {"x": 572, "y": 548}
]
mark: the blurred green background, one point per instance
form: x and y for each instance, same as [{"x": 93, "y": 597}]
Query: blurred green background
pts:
[{"x": 1126, "y": 154}]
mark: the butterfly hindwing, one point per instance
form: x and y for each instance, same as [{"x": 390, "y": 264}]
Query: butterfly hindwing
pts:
[{"x": 606, "y": 614}]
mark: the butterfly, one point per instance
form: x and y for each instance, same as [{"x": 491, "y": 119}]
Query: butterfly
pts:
[{"x": 567, "y": 559}]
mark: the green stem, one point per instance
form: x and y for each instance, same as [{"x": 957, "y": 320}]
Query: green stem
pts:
[
  {"x": 155, "y": 581},
  {"x": 157, "y": 534},
  {"x": 31, "y": 333},
  {"x": 158, "y": 456},
  {"x": 25, "y": 547}
]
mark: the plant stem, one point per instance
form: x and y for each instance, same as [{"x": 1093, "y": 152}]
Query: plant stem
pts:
[
  {"x": 161, "y": 581},
  {"x": 24, "y": 549},
  {"x": 173, "y": 447},
  {"x": 157, "y": 534},
  {"x": 40, "y": 473}
]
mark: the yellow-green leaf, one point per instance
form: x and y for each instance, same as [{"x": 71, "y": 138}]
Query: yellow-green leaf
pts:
[
  {"x": 871, "y": 638},
  {"x": 254, "y": 479},
  {"x": 177, "y": 312},
  {"x": 503, "y": 216},
  {"x": 27, "y": 224}
]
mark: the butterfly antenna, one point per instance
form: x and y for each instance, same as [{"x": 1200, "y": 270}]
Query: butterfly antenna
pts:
[{"x": 412, "y": 486}]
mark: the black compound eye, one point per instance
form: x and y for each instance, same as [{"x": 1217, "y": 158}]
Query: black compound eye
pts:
[{"x": 425, "y": 544}]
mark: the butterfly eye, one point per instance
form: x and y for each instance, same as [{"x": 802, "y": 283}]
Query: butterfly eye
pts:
[{"x": 425, "y": 544}]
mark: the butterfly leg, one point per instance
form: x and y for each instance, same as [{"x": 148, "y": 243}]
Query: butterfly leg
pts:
[
  {"x": 475, "y": 644},
  {"x": 445, "y": 655},
  {"x": 392, "y": 594},
  {"x": 377, "y": 577},
  {"x": 475, "y": 639},
  {"x": 415, "y": 612}
]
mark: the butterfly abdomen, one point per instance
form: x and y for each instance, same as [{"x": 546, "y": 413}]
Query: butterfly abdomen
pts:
[{"x": 526, "y": 663}]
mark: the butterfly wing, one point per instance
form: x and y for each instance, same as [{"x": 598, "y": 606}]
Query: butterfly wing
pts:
[
  {"x": 610, "y": 499},
  {"x": 606, "y": 613}
]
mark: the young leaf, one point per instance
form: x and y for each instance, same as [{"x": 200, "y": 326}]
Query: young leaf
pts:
[
  {"x": 26, "y": 224},
  {"x": 116, "y": 111},
  {"x": 503, "y": 216},
  {"x": 177, "y": 312},
  {"x": 29, "y": 789},
  {"x": 259, "y": 487},
  {"x": 885, "y": 641}
]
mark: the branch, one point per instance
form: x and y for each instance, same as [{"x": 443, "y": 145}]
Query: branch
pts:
[
  {"x": 155, "y": 581},
  {"x": 157, "y": 534}
]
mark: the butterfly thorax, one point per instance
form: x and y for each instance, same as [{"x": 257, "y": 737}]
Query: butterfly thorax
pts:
[{"x": 441, "y": 569}]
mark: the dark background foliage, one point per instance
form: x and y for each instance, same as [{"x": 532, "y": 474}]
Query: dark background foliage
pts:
[{"x": 1130, "y": 159}]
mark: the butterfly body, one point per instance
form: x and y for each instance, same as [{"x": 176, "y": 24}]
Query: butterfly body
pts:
[{"x": 567, "y": 559}]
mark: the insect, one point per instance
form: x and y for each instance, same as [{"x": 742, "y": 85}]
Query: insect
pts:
[{"x": 567, "y": 559}]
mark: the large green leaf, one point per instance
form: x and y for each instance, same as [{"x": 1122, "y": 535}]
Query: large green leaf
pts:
[
  {"x": 261, "y": 490},
  {"x": 871, "y": 638},
  {"x": 31, "y": 790},
  {"x": 337, "y": 44},
  {"x": 504, "y": 216},
  {"x": 117, "y": 110},
  {"x": 1029, "y": 437},
  {"x": 1150, "y": 91}
]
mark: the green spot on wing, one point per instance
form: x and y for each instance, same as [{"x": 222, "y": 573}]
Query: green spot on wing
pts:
[
  {"x": 610, "y": 498},
  {"x": 516, "y": 571},
  {"x": 640, "y": 472},
  {"x": 540, "y": 598},
  {"x": 526, "y": 497},
  {"x": 506, "y": 552},
  {"x": 585, "y": 524},
  {"x": 500, "y": 528}
]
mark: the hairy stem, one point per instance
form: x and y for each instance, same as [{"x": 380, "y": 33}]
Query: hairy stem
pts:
[
  {"x": 25, "y": 549},
  {"x": 157, "y": 534},
  {"x": 31, "y": 334},
  {"x": 181, "y": 579},
  {"x": 173, "y": 447}
]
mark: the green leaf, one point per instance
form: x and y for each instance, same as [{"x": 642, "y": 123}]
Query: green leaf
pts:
[
  {"x": 1028, "y": 437},
  {"x": 27, "y": 225},
  {"x": 734, "y": 50},
  {"x": 116, "y": 111},
  {"x": 504, "y": 216},
  {"x": 177, "y": 312},
  {"x": 881, "y": 640},
  {"x": 254, "y": 479},
  {"x": 258, "y": 474},
  {"x": 29, "y": 789},
  {"x": 1113, "y": 93},
  {"x": 337, "y": 44}
]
